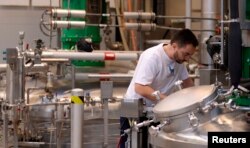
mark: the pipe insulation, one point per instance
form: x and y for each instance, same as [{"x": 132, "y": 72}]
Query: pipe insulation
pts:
[
  {"x": 67, "y": 13},
  {"x": 109, "y": 55},
  {"x": 140, "y": 26},
  {"x": 234, "y": 45},
  {"x": 139, "y": 15},
  {"x": 68, "y": 24}
]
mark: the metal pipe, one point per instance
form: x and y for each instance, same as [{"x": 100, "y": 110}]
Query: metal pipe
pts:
[
  {"x": 140, "y": 26},
  {"x": 208, "y": 11},
  {"x": 97, "y": 77},
  {"x": 168, "y": 28},
  {"x": 49, "y": 84},
  {"x": 53, "y": 60},
  {"x": 110, "y": 75},
  {"x": 157, "y": 41},
  {"x": 222, "y": 31},
  {"x": 3, "y": 67},
  {"x": 60, "y": 117},
  {"x": 109, "y": 55},
  {"x": 43, "y": 67},
  {"x": 68, "y": 24},
  {"x": 105, "y": 119},
  {"x": 188, "y": 13},
  {"x": 34, "y": 68},
  {"x": 243, "y": 108},
  {"x": 106, "y": 94},
  {"x": 77, "y": 117},
  {"x": 12, "y": 83},
  {"x": 139, "y": 15},
  {"x": 184, "y": 17},
  {"x": 21, "y": 79},
  {"x": 31, "y": 144},
  {"x": 46, "y": 104},
  {"x": 5, "y": 129},
  {"x": 67, "y": 13},
  {"x": 73, "y": 76}
]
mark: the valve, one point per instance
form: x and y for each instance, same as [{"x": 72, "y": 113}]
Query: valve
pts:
[
  {"x": 154, "y": 130},
  {"x": 144, "y": 123},
  {"x": 193, "y": 120}
]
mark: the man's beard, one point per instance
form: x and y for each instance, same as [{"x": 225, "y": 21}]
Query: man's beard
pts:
[{"x": 177, "y": 59}]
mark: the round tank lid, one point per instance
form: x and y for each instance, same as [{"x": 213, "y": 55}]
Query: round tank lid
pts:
[{"x": 183, "y": 101}]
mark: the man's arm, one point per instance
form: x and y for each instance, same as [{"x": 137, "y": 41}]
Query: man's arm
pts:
[
  {"x": 187, "y": 83},
  {"x": 146, "y": 91}
]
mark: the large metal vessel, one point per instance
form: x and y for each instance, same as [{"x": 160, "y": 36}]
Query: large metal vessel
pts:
[
  {"x": 43, "y": 117},
  {"x": 186, "y": 124}
]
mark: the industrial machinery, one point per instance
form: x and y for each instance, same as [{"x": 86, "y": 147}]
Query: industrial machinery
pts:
[
  {"x": 72, "y": 96},
  {"x": 186, "y": 116}
]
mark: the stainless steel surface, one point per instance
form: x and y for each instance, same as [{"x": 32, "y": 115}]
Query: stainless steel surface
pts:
[
  {"x": 208, "y": 11},
  {"x": 132, "y": 108},
  {"x": 222, "y": 30},
  {"x": 21, "y": 79},
  {"x": 73, "y": 76},
  {"x": 184, "y": 100},
  {"x": 197, "y": 138},
  {"x": 5, "y": 130},
  {"x": 208, "y": 76},
  {"x": 106, "y": 94},
  {"x": 41, "y": 116}
]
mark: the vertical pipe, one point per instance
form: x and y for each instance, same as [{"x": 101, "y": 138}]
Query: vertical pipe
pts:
[
  {"x": 106, "y": 93},
  {"x": 21, "y": 80},
  {"x": 5, "y": 130},
  {"x": 60, "y": 116},
  {"x": 11, "y": 85},
  {"x": 77, "y": 116},
  {"x": 208, "y": 11},
  {"x": 222, "y": 31},
  {"x": 11, "y": 96},
  {"x": 73, "y": 76},
  {"x": 105, "y": 118},
  {"x": 188, "y": 13}
]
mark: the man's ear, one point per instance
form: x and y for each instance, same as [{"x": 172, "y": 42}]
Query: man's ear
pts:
[{"x": 174, "y": 45}]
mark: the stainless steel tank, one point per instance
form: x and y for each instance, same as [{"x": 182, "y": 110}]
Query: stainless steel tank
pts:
[
  {"x": 186, "y": 125},
  {"x": 44, "y": 116}
]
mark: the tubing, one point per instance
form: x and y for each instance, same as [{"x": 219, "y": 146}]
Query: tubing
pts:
[
  {"x": 68, "y": 13},
  {"x": 141, "y": 26},
  {"x": 109, "y": 55},
  {"x": 68, "y": 24},
  {"x": 139, "y": 15}
]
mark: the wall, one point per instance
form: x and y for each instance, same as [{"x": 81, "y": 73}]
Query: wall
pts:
[{"x": 15, "y": 19}]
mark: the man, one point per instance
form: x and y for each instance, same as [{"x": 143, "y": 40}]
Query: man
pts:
[{"x": 158, "y": 68}]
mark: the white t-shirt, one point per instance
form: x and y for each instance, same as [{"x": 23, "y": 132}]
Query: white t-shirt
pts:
[{"x": 157, "y": 70}]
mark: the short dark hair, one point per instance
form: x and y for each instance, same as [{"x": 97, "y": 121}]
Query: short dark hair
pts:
[{"x": 184, "y": 37}]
